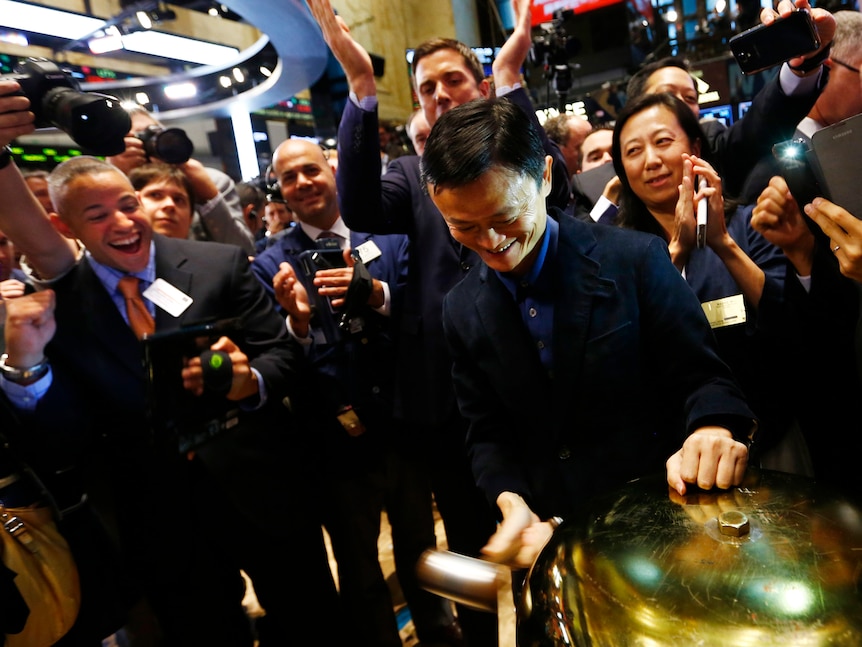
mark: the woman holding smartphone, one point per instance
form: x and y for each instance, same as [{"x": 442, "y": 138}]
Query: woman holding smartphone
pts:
[{"x": 738, "y": 275}]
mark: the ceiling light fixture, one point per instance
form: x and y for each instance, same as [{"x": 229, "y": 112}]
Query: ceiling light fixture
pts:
[
  {"x": 181, "y": 90},
  {"x": 109, "y": 40},
  {"x": 80, "y": 30}
]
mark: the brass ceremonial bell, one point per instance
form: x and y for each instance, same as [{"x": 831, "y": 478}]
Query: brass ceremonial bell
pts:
[{"x": 776, "y": 561}]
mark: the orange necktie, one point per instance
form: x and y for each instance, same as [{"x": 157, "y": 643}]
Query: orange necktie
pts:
[{"x": 140, "y": 319}]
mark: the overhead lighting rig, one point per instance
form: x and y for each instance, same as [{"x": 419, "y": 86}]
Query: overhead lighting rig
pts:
[{"x": 141, "y": 15}]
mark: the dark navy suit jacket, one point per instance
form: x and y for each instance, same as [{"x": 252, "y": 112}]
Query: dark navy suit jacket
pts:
[
  {"x": 635, "y": 369},
  {"x": 398, "y": 203},
  {"x": 357, "y": 370}
]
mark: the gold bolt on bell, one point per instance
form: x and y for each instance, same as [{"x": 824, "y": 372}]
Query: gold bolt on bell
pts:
[{"x": 733, "y": 523}]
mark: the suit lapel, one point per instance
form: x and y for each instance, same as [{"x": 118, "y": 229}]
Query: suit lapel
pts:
[
  {"x": 169, "y": 261},
  {"x": 580, "y": 287},
  {"x": 100, "y": 319}
]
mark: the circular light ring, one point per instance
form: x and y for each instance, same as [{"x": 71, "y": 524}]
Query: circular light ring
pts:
[{"x": 292, "y": 49}]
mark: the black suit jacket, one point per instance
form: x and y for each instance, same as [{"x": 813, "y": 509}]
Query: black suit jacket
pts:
[
  {"x": 92, "y": 422},
  {"x": 743, "y": 151},
  {"x": 635, "y": 369}
]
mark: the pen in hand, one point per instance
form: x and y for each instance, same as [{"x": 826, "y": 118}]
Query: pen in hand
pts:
[{"x": 701, "y": 216}]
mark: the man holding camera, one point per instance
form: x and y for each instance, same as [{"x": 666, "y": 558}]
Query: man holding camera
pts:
[
  {"x": 184, "y": 525},
  {"x": 346, "y": 407},
  {"x": 218, "y": 212}
]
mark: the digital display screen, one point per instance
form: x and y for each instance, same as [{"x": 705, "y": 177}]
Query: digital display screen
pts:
[
  {"x": 724, "y": 114},
  {"x": 544, "y": 10}
]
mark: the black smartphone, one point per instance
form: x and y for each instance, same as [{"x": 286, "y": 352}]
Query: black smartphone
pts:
[
  {"x": 321, "y": 259},
  {"x": 324, "y": 317},
  {"x": 793, "y": 161},
  {"x": 765, "y": 46}
]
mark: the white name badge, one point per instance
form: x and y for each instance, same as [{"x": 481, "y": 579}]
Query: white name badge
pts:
[
  {"x": 168, "y": 298},
  {"x": 368, "y": 251},
  {"x": 729, "y": 311}
]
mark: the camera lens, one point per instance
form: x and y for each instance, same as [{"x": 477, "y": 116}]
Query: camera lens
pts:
[
  {"x": 170, "y": 145},
  {"x": 96, "y": 122}
]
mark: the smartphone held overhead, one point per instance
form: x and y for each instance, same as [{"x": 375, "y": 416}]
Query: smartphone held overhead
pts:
[{"x": 766, "y": 46}]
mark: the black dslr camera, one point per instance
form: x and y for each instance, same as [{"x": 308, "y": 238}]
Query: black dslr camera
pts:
[
  {"x": 171, "y": 145},
  {"x": 94, "y": 121}
]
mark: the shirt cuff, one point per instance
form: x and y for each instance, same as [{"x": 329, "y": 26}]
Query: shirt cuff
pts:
[
  {"x": 252, "y": 403},
  {"x": 305, "y": 342},
  {"x": 25, "y": 398},
  {"x": 503, "y": 90},
  {"x": 369, "y": 103},
  {"x": 793, "y": 85},
  {"x": 385, "y": 309},
  {"x": 40, "y": 283},
  {"x": 601, "y": 207}
]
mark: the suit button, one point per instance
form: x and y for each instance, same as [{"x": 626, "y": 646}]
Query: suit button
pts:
[
  {"x": 565, "y": 453},
  {"x": 465, "y": 266}
]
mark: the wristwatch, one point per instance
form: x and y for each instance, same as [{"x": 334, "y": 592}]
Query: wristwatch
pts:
[{"x": 21, "y": 375}]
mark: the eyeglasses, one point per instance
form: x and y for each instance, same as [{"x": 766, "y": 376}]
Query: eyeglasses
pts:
[{"x": 843, "y": 64}]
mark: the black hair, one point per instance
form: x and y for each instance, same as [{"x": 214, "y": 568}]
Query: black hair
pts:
[
  {"x": 633, "y": 213},
  {"x": 467, "y": 141},
  {"x": 636, "y": 84}
]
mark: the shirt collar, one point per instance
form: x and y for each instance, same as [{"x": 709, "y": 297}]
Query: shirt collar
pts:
[
  {"x": 547, "y": 251},
  {"x": 338, "y": 227},
  {"x": 110, "y": 276}
]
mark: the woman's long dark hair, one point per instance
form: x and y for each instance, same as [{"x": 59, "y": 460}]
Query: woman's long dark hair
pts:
[{"x": 633, "y": 213}]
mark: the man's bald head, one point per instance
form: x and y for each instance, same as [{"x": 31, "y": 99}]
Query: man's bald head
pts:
[{"x": 306, "y": 182}]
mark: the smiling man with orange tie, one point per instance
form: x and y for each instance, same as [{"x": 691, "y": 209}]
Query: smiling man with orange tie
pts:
[{"x": 183, "y": 527}]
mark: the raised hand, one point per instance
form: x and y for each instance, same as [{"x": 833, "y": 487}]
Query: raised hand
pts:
[
  {"x": 351, "y": 55},
  {"x": 293, "y": 298},
  {"x": 30, "y": 325},
  {"x": 845, "y": 234},
  {"x": 824, "y": 22},
  {"x": 777, "y": 218},
  {"x": 507, "y": 65},
  {"x": 15, "y": 116}
]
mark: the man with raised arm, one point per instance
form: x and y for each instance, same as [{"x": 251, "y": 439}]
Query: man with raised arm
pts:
[{"x": 446, "y": 74}]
